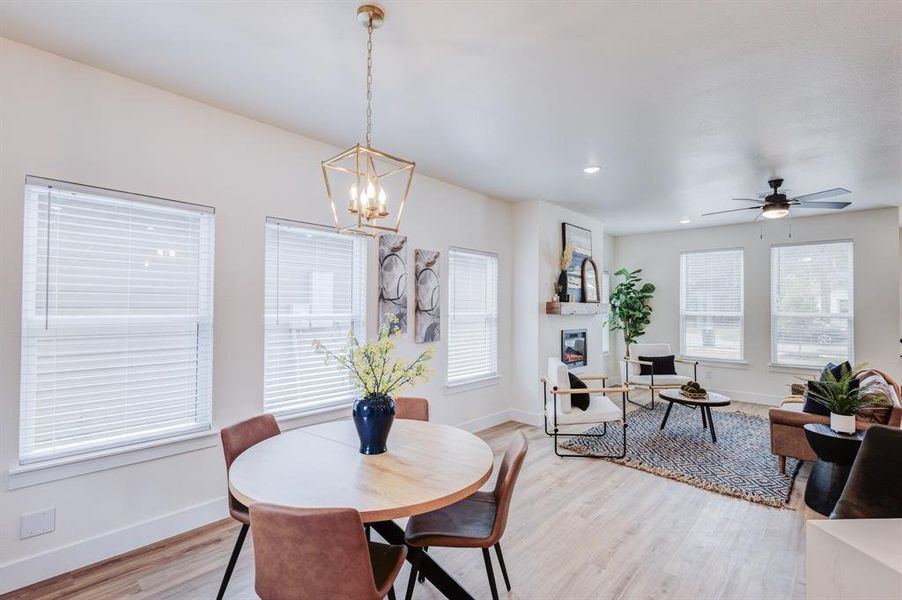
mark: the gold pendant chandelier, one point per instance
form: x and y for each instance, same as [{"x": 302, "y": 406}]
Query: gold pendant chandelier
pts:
[{"x": 377, "y": 183}]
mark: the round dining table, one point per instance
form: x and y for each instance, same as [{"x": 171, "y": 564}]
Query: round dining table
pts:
[{"x": 427, "y": 466}]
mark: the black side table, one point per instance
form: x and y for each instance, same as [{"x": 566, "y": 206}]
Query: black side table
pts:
[{"x": 835, "y": 454}]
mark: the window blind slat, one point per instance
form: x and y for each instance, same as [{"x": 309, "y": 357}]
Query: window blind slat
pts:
[
  {"x": 116, "y": 320},
  {"x": 812, "y": 304},
  {"x": 711, "y": 304},
  {"x": 473, "y": 315},
  {"x": 315, "y": 289}
]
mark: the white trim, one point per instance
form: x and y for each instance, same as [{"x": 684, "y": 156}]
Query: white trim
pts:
[
  {"x": 789, "y": 368},
  {"x": 459, "y": 387},
  {"x": 38, "y": 567},
  {"x": 536, "y": 419},
  {"x": 717, "y": 362},
  {"x": 72, "y": 466},
  {"x": 482, "y": 423},
  {"x": 312, "y": 417}
]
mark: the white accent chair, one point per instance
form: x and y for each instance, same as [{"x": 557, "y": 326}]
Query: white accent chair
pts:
[
  {"x": 559, "y": 410},
  {"x": 653, "y": 382}
]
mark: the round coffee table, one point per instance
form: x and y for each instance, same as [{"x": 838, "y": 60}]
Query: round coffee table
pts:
[
  {"x": 835, "y": 454},
  {"x": 673, "y": 396}
]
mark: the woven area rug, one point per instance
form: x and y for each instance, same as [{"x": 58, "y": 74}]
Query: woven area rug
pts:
[{"x": 740, "y": 464}]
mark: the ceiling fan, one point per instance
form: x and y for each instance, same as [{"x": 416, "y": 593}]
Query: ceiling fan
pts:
[{"x": 776, "y": 204}]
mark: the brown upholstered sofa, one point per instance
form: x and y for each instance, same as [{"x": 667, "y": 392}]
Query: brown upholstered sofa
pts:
[{"x": 787, "y": 438}]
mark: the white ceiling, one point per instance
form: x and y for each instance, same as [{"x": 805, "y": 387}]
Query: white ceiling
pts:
[{"x": 684, "y": 104}]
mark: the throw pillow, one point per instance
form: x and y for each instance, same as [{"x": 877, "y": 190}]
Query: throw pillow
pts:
[
  {"x": 662, "y": 365},
  {"x": 812, "y": 407},
  {"x": 580, "y": 401}
]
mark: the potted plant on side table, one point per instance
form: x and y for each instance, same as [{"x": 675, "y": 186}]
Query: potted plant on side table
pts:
[
  {"x": 842, "y": 396},
  {"x": 378, "y": 377}
]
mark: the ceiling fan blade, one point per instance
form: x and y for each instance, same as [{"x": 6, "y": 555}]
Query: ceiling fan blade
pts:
[
  {"x": 821, "y": 204},
  {"x": 720, "y": 212},
  {"x": 823, "y": 194},
  {"x": 758, "y": 200}
]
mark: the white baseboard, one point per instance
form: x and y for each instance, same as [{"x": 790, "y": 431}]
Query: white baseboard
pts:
[
  {"x": 38, "y": 567},
  {"x": 524, "y": 416},
  {"x": 478, "y": 424}
]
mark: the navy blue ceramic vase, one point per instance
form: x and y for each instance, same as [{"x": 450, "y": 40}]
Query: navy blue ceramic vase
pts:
[{"x": 373, "y": 416}]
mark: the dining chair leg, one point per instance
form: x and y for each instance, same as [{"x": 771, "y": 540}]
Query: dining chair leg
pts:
[
  {"x": 391, "y": 593},
  {"x": 422, "y": 578},
  {"x": 507, "y": 582},
  {"x": 488, "y": 570},
  {"x": 234, "y": 559},
  {"x": 414, "y": 567},
  {"x": 366, "y": 530}
]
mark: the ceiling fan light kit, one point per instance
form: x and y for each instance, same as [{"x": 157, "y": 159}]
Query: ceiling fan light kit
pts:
[{"x": 377, "y": 182}]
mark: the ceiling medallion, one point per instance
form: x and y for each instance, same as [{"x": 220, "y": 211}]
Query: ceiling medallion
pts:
[{"x": 377, "y": 183}]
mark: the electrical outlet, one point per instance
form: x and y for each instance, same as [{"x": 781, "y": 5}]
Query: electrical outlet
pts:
[{"x": 37, "y": 523}]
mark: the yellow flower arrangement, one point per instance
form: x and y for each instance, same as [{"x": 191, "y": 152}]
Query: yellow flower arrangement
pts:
[{"x": 371, "y": 367}]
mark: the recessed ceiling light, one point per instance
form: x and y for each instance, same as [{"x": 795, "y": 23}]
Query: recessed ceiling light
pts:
[
  {"x": 592, "y": 169},
  {"x": 684, "y": 221}
]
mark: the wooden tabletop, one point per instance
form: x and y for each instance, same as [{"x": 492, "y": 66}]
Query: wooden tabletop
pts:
[{"x": 427, "y": 466}]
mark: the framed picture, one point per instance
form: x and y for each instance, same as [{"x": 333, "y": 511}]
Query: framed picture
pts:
[
  {"x": 393, "y": 281},
  {"x": 590, "y": 282},
  {"x": 581, "y": 239},
  {"x": 427, "y": 325}
]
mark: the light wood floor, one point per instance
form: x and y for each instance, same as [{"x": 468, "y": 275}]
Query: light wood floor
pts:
[{"x": 578, "y": 529}]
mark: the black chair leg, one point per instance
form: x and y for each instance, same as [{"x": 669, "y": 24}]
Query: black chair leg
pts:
[
  {"x": 234, "y": 559},
  {"x": 391, "y": 593},
  {"x": 414, "y": 567},
  {"x": 422, "y": 578},
  {"x": 488, "y": 571},
  {"x": 507, "y": 582},
  {"x": 366, "y": 530}
]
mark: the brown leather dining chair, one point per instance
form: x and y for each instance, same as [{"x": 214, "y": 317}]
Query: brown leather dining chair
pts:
[
  {"x": 319, "y": 553},
  {"x": 413, "y": 408},
  {"x": 477, "y": 521},
  {"x": 235, "y": 440}
]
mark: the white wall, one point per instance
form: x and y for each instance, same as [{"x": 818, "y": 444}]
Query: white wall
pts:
[
  {"x": 537, "y": 249},
  {"x": 876, "y": 276},
  {"x": 64, "y": 120}
]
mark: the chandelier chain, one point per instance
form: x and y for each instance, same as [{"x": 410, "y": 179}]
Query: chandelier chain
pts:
[{"x": 369, "y": 83}]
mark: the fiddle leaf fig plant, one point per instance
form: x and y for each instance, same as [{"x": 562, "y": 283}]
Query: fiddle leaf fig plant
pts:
[{"x": 630, "y": 310}]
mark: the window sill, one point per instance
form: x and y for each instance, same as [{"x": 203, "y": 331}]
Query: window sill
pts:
[
  {"x": 793, "y": 369},
  {"x": 718, "y": 362},
  {"x": 296, "y": 419},
  {"x": 72, "y": 466},
  {"x": 459, "y": 387}
]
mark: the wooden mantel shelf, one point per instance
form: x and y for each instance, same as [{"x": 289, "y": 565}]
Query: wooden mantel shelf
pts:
[{"x": 572, "y": 308}]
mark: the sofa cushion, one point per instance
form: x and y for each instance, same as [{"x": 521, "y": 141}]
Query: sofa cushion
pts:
[
  {"x": 580, "y": 401},
  {"x": 659, "y": 380},
  {"x": 600, "y": 410}
]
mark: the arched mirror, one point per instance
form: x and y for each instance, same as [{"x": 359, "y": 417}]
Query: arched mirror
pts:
[{"x": 590, "y": 281}]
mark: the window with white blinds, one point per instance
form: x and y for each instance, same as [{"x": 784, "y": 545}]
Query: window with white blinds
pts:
[
  {"x": 711, "y": 304},
  {"x": 117, "y": 315},
  {"x": 315, "y": 290},
  {"x": 473, "y": 316},
  {"x": 811, "y": 304}
]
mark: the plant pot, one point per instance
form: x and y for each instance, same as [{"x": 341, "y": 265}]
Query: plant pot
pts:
[
  {"x": 373, "y": 418},
  {"x": 842, "y": 423}
]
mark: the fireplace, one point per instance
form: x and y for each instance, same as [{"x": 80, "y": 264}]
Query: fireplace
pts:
[{"x": 573, "y": 347}]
